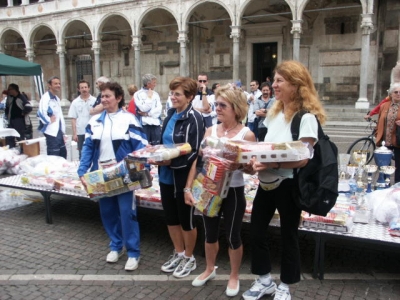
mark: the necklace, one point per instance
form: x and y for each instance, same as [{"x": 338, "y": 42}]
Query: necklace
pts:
[{"x": 227, "y": 130}]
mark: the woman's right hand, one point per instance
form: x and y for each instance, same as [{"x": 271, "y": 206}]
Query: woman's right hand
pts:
[
  {"x": 189, "y": 199},
  {"x": 83, "y": 182}
]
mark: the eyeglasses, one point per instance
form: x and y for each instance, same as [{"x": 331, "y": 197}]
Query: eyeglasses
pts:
[
  {"x": 220, "y": 104},
  {"x": 396, "y": 92},
  {"x": 202, "y": 81},
  {"x": 176, "y": 95}
]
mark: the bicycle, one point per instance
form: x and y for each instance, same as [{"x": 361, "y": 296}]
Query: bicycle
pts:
[{"x": 365, "y": 144}]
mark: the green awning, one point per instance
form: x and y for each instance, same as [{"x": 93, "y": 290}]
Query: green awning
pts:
[{"x": 10, "y": 65}]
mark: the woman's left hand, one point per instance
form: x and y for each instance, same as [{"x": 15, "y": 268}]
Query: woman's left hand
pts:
[
  {"x": 398, "y": 122},
  {"x": 159, "y": 162},
  {"x": 259, "y": 166}
]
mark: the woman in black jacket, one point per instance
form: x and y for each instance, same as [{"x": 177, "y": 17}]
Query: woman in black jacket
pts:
[{"x": 183, "y": 124}]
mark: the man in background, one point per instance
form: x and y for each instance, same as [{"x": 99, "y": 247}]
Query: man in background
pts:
[
  {"x": 51, "y": 119},
  {"x": 149, "y": 108},
  {"x": 17, "y": 111},
  {"x": 251, "y": 98},
  {"x": 201, "y": 101},
  {"x": 97, "y": 106},
  {"x": 79, "y": 112}
]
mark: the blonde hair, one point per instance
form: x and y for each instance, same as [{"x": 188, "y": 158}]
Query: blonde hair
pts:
[
  {"x": 236, "y": 97},
  {"x": 304, "y": 98},
  {"x": 132, "y": 89}
]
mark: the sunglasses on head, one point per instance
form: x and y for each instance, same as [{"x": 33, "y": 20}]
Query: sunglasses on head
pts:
[{"x": 202, "y": 81}]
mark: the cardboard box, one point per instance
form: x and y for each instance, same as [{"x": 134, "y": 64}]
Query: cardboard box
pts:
[{"x": 30, "y": 150}]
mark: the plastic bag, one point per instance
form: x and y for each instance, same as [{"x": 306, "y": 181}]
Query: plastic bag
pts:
[
  {"x": 11, "y": 199},
  {"x": 387, "y": 209}
]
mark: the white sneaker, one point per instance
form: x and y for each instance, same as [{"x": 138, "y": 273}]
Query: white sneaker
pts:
[
  {"x": 132, "y": 263},
  {"x": 113, "y": 256},
  {"x": 186, "y": 265},
  {"x": 172, "y": 262},
  {"x": 281, "y": 294},
  {"x": 258, "y": 290}
]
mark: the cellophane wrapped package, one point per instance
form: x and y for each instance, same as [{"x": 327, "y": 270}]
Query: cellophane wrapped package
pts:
[
  {"x": 115, "y": 179},
  {"x": 160, "y": 152}
]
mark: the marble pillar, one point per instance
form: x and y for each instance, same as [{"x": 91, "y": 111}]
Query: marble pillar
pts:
[
  {"x": 63, "y": 74},
  {"x": 96, "y": 46},
  {"x": 296, "y": 31},
  {"x": 366, "y": 28},
  {"x": 183, "y": 66},
  {"x": 235, "y": 35},
  {"x": 30, "y": 54},
  {"x": 136, "y": 43}
]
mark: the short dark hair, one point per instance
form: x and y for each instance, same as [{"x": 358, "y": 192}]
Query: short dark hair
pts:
[
  {"x": 255, "y": 82},
  {"x": 83, "y": 81},
  {"x": 214, "y": 86},
  {"x": 52, "y": 78},
  {"x": 117, "y": 89},
  {"x": 264, "y": 84},
  {"x": 188, "y": 85},
  {"x": 14, "y": 87}
]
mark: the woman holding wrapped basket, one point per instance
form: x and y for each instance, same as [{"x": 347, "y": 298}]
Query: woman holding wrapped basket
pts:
[
  {"x": 183, "y": 124},
  {"x": 231, "y": 108},
  {"x": 294, "y": 91},
  {"x": 110, "y": 136}
]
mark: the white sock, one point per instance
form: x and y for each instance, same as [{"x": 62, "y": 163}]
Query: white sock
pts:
[
  {"x": 284, "y": 286},
  {"x": 266, "y": 279},
  {"x": 191, "y": 257},
  {"x": 180, "y": 253}
]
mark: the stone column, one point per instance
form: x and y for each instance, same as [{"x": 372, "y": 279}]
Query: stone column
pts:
[
  {"x": 398, "y": 43},
  {"x": 235, "y": 35},
  {"x": 30, "y": 54},
  {"x": 136, "y": 43},
  {"x": 10, "y": 3},
  {"x": 96, "y": 46},
  {"x": 63, "y": 75},
  {"x": 182, "y": 40},
  {"x": 296, "y": 31},
  {"x": 366, "y": 27}
]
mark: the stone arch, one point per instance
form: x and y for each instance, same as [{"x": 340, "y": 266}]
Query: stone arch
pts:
[
  {"x": 36, "y": 29},
  {"x": 103, "y": 21},
  {"x": 68, "y": 24},
  {"x": 18, "y": 42},
  {"x": 190, "y": 10},
  {"x": 143, "y": 16}
]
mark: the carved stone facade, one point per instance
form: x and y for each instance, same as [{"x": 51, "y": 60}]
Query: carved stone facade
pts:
[{"x": 350, "y": 46}]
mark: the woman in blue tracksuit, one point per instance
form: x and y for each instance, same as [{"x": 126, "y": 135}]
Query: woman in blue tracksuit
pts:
[
  {"x": 111, "y": 135},
  {"x": 183, "y": 124}
]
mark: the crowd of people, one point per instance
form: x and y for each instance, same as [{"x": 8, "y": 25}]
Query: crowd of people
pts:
[{"x": 106, "y": 129}]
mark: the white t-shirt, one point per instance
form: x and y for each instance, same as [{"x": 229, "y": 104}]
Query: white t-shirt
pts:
[
  {"x": 279, "y": 132},
  {"x": 251, "y": 113},
  {"x": 197, "y": 103},
  {"x": 80, "y": 110}
]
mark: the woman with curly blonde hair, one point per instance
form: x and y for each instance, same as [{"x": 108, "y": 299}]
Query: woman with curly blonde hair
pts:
[{"x": 294, "y": 91}]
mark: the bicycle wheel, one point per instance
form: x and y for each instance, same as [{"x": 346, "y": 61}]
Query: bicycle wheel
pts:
[{"x": 365, "y": 145}]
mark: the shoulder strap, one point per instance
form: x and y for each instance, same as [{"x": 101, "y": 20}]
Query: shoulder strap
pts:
[{"x": 295, "y": 126}]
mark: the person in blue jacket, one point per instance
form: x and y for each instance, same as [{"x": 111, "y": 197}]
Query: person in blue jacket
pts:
[
  {"x": 183, "y": 124},
  {"x": 112, "y": 135}
]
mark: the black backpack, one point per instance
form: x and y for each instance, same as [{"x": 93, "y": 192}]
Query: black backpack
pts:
[{"x": 318, "y": 180}]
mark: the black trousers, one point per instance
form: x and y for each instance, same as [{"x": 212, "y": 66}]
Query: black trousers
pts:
[
  {"x": 19, "y": 125},
  {"x": 264, "y": 206}
]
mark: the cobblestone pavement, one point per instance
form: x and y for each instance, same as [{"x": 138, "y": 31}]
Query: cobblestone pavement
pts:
[{"x": 66, "y": 260}]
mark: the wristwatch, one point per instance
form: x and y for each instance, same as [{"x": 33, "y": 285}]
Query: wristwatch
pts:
[{"x": 187, "y": 190}]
